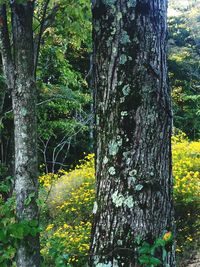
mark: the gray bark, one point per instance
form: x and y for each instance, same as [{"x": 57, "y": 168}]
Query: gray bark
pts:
[
  {"x": 24, "y": 108},
  {"x": 133, "y": 130},
  {"x": 19, "y": 74}
]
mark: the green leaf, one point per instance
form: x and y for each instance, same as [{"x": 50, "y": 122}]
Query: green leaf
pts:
[
  {"x": 155, "y": 261},
  {"x": 3, "y": 236},
  {"x": 159, "y": 243},
  {"x": 33, "y": 223},
  {"x": 145, "y": 248},
  {"x": 29, "y": 199},
  {"x": 4, "y": 188},
  {"x": 17, "y": 231},
  {"x": 138, "y": 240},
  {"x": 144, "y": 259}
]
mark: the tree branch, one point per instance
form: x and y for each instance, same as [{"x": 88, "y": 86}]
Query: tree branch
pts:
[
  {"x": 37, "y": 45},
  {"x": 46, "y": 22}
]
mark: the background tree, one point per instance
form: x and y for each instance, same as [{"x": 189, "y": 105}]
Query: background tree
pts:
[
  {"x": 133, "y": 131},
  {"x": 63, "y": 95},
  {"x": 183, "y": 61},
  {"x": 19, "y": 73}
]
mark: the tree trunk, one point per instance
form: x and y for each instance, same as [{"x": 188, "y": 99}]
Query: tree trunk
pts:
[
  {"x": 6, "y": 125},
  {"x": 24, "y": 108},
  {"x": 7, "y": 66},
  {"x": 133, "y": 130}
]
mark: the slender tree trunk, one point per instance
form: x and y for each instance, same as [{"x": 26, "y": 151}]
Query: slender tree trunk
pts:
[
  {"x": 7, "y": 63},
  {"x": 2, "y": 97},
  {"x": 133, "y": 130},
  {"x": 6, "y": 142},
  {"x": 24, "y": 108}
]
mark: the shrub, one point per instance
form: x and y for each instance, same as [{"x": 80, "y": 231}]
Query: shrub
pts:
[
  {"x": 11, "y": 231},
  {"x": 65, "y": 187},
  {"x": 186, "y": 171},
  {"x": 67, "y": 245},
  {"x": 65, "y": 241}
]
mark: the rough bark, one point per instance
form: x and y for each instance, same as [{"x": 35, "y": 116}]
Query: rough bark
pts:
[
  {"x": 24, "y": 108},
  {"x": 133, "y": 130},
  {"x": 19, "y": 66}
]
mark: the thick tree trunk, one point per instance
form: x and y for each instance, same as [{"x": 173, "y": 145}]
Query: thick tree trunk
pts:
[
  {"x": 24, "y": 107},
  {"x": 133, "y": 130}
]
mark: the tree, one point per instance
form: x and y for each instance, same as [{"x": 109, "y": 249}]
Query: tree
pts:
[
  {"x": 19, "y": 62},
  {"x": 183, "y": 64},
  {"x": 63, "y": 96},
  {"x": 60, "y": 102},
  {"x": 133, "y": 130},
  {"x": 19, "y": 73}
]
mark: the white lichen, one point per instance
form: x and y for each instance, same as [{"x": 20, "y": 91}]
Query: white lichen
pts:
[
  {"x": 123, "y": 59},
  {"x": 119, "y": 140},
  {"x": 119, "y": 242},
  {"x": 124, "y": 38},
  {"x": 113, "y": 147},
  {"x": 109, "y": 2},
  {"x": 129, "y": 202},
  {"x": 95, "y": 208},
  {"x": 119, "y": 16},
  {"x": 133, "y": 172},
  {"x": 126, "y": 90},
  {"x": 114, "y": 50},
  {"x": 119, "y": 200},
  {"x": 124, "y": 113},
  {"x": 105, "y": 160},
  {"x": 122, "y": 99},
  {"x": 23, "y": 112},
  {"x": 131, "y": 3},
  {"x": 139, "y": 187},
  {"x": 111, "y": 170}
]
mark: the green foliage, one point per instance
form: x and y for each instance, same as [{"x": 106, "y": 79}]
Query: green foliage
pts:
[
  {"x": 148, "y": 251},
  {"x": 65, "y": 241},
  {"x": 184, "y": 36},
  {"x": 63, "y": 93},
  {"x": 186, "y": 170},
  {"x": 11, "y": 231}
]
